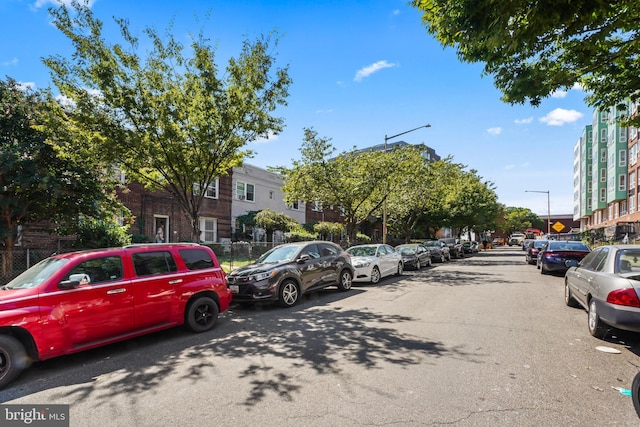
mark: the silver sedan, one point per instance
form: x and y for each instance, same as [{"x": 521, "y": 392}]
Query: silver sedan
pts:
[{"x": 606, "y": 283}]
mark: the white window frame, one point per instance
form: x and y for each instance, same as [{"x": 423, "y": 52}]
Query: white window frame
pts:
[
  {"x": 243, "y": 193},
  {"x": 208, "y": 229},
  {"x": 603, "y": 135},
  {"x": 622, "y": 182},
  {"x": 212, "y": 190},
  {"x": 295, "y": 206},
  {"x": 622, "y": 134},
  {"x": 603, "y": 194},
  {"x": 622, "y": 158},
  {"x": 632, "y": 204},
  {"x": 603, "y": 175},
  {"x": 603, "y": 155}
]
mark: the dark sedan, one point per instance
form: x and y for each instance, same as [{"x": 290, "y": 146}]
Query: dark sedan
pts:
[
  {"x": 531, "y": 257},
  {"x": 288, "y": 271},
  {"x": 439, "y": 250},
  {"x": 607, "y": 284},
  {"x": 414, "y": 256},
  {"x": 556, "y": 256}
]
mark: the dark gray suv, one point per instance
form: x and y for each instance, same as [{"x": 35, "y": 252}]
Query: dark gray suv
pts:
[
  {"x": 288, "y": 271},
  {"x": 455, "y": 247}
]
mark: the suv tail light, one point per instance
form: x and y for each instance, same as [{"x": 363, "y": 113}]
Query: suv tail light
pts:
[{"x": 627, "y": 297}]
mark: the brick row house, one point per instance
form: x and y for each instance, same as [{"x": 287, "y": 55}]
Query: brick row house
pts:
[{"x": 606, "y": 176}]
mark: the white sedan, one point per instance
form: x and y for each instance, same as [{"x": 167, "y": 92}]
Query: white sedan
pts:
[{"x": 375, "y": 261}]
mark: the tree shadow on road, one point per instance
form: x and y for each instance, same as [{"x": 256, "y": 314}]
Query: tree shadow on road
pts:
[{"x": 328, "y": 340}]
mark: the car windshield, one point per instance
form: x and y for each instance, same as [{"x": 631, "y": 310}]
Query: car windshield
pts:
[
  {"x": 37, "y": 274},
  {"x": 431, "y": 244},
  {"x": 539, "y": 243},
  {"x": 406, "y": 250},
  {"x": 362, "y": 251},
  {"x": 279, "y": 254}
]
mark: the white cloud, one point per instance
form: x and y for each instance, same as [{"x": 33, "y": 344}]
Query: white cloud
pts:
[
  {"x": 269, "y": 138},
  {"x": 26, "y": 85},
  {"x": 64, "y": 101},
  {"x": 523, "y": 121},
  {"x": 370, "y": 69},
  {"x": 494, "y": 131},
  {"x": 43, "y": 3},
  {"x": 560, "y": 116},
  {"x": 559, "y": 94},
  {"x": 330, "y": 110},
  {"x": 13, "y": 61}
]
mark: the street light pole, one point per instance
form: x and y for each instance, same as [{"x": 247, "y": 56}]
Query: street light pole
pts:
[
  {"x": 384, "y": 204},
  {"x": 548, "y": 208}
]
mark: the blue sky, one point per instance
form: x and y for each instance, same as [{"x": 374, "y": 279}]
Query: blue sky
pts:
[{"x": 361, "y": 70}]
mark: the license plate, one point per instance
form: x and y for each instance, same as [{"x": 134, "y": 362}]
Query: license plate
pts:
[{"x": 234, "y": 288}]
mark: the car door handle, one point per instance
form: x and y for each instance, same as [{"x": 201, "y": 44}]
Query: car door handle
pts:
[
  {"x": 116, "y": 291},
  {"x": 175, "y": 282}
]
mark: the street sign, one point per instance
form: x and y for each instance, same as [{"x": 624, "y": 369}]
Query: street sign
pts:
[{"x": 558, "y": 226}]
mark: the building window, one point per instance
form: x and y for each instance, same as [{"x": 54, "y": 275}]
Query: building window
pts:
[
  {"x": 623, "y": 208},
  {"x": 589, "y": 169},
  {"x": 622, "y": 182},
  {"x": 271, "y": 194},
  {"x": 632, "y": 180},
  {"x": 632, "y": 204},
  {"x": 633, "y": 154},
  {"x": 603, "y": 175},
  {"x": 603, "y": 135},
  {"x": 589, "y": 203},
  {"x": 208, "y": 230},
  {"x": 316, "y": 207},
  {"x": 604, "y": 116},
  {"x": 212, "y": 190},
  {"x": 623, "y": 134},
  {"x": 603, "y": 194},
  {"x": 245, "y": 191},
  {"x": 589, "y": 186},
  {"x": 295, "y": 205},
  {"x": 603, "y": 155},
  {"x": 622, "y": 158}
]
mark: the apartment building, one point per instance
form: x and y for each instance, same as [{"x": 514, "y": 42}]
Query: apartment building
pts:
[{"x": 606, "y": 176}]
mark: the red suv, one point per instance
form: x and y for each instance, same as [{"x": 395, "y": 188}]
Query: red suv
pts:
[{"x": 81, "y": 300}]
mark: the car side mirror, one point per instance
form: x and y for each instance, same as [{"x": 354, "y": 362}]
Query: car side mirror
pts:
[
  {"x": 74, "y": 281},
  {"x": 303, "y": 258}
]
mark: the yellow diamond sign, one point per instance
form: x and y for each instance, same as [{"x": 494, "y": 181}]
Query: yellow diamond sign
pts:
[{"x": 558, "y": 226}]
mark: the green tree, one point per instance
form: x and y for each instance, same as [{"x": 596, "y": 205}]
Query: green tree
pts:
[
  {"x": 533, "y": 48},
  {"x": 519, "y": 219},
  {"x": 271, "y": 221},
  {"x": 328, "y": 230},
  {"x": 356, "y": 181},
  {"x": 168, "y": 120},
  {"x": 38, "y": 181}
]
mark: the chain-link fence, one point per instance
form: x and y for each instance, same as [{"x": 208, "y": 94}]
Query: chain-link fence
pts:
[{"x": 230, "y": 255}]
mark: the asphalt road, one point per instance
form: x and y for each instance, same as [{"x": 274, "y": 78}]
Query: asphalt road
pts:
[{"x": 481, "y": 341}]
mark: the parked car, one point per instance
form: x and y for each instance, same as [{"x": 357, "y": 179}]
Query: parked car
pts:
[
  {"x": 455, "y": 247},
  {"x": 439, "y": 250},
  {"x": 606, "y": 283},
  {"x": 531, "y": 257},
  {"x": 556, "y": 255},
  {"x": 374, "y": 261},
  {"x": 468, "y": 247},
  {"x": 516, "y": 239},
  {"x": 475, "y": 247},
  {"x": 286, "y": 272},
  {"x": 81, "y": 300},
  {"x": 525, "y": 243},
  {"x": 414, "y": 256}
]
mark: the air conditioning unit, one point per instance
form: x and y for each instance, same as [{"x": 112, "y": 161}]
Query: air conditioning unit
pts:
[{"x": 240, "y": 197}]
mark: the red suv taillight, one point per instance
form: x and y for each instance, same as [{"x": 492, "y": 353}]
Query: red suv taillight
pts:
[{"x": 627, "y": 297}]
